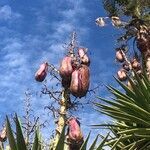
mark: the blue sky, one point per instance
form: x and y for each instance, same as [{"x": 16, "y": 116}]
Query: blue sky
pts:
[{"x": 32, "y": 32}]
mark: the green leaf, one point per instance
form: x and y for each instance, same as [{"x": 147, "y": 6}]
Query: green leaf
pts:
[
  {"x": 92, "y": 147},
  {"x": 102, "y": 143},
  {"x": 10, "y": 135},
  {"x": 60, "y": 144},
  {"x": 36, "y": 141},
  {"x": 39, "y": 139},
  {"x": 1, "y": 146},
  {"x": 20, "y": 139},
  {"x": 116, "y": 143},
  {"x": 83, "y": 147}
]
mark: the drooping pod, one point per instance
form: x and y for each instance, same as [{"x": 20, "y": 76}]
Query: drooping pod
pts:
[
  {"x": 40, "y": 75},
  {"x": 100, "y": 22},
  {"x": 80, "y": 81},
  {"x": 75, "y": 83},
  {"x": 83, "y": 56},
  {"x": 135, "y": 64},
  {"x": 116, "y": 21},
  {"x": 119, "y": 56},
  {"x": 66, "y": 69},
  {"x": 121, "y": 74},
  {"x": 74, "y": 134}
]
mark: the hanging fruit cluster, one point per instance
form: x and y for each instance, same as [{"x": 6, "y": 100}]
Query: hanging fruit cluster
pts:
[
  {"x": 74, "y": 71},
  {"x": 75, "y": 79},
  {"x": 128, "y": 65},
  {"x": 140, "y": 33}
]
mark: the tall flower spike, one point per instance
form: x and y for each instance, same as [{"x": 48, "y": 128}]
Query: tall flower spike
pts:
[{"x": 40, "y": 75}]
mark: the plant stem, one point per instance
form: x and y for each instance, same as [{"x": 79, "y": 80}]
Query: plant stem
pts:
[{"x": 62, "y": 116}]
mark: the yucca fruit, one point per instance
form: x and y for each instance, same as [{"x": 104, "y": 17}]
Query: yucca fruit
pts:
[{"x": 40, "y": 75}]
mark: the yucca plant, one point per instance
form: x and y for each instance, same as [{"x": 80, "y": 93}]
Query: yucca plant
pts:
[{"x": 130, "y": 111}]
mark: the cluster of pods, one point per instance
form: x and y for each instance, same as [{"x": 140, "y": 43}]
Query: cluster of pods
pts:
[
  {"x": 115, "y": 21},
  {"x": 133, "y": 64},
  {"x": 74, "y": 134},
  {"x": 74, "y": 71}
]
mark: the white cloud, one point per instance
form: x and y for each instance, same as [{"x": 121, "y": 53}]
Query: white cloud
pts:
[{"x": 6, "y": 13}]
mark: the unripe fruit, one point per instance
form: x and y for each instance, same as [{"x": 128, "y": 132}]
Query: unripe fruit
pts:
[
  {"x": 75, "y": 137},
  {"x": 74, "y": 131},
  {"x": 83, "y": 56},
  {"x": 66, "y": 67},
  {"x": 100, "y": 22},
  {"x": 116, "y": 21},
  {"x": 119, "y": 56},
  {"x": 80, "y": 81},
  {"x": 75, "y": 83},
  {"x": 40, "y": 75},
  {"x": 122, "y": 76},
  {"x": 135, "y": 64}
]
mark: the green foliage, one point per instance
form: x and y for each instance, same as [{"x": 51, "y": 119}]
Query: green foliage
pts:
[
  {"x": 94, "y": 143},
  {"x": 131, "y": 111},
  {"x": 10, "y": 135},
  {"x": 84, "y": 145},
  {"x": 135, "y": 8},
  {"x": 60, "y": 144},
  {"x": 19, "y": 136},
  {"x": 17, "y": 141},
  {"x": 36, "y": 144}
]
